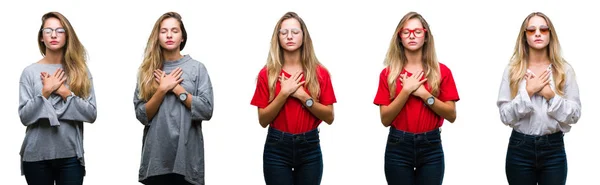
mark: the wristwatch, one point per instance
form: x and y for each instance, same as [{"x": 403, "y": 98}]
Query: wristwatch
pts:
[
  {"x": 309, "y": 102},
  {"x": 429, "y": 101},
  {"x": 183, "y": 96}
]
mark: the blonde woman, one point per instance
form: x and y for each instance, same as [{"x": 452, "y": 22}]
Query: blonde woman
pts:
[
  {"x": 56, "y": 95},
  {"x": 539, "y": 100},
  {"x": 294, "y": 95},
  {"x": 416, "y": 93},
  {"x": 172, "y": 98}
]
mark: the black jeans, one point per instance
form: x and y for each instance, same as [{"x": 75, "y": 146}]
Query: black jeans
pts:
[
  {"x": 167, "y": 179},
  {"x": 66, "y": 171},
  {"x": 532, "y": 160},
  {"x": 414, "y": 158},
  {"x": 292, "y": 158}
]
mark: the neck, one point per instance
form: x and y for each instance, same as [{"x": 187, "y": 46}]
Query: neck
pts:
[
  {"x": 538, "y": 56},
  {"x": 172, "y": 55},
  {"x": 53, "y": 57},
  {"x": 414, "y": 57},
  {"x": 291, "y": 58}
]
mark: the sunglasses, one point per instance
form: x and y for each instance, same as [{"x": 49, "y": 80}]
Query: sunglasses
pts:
[{"x": 532, "y": 29}]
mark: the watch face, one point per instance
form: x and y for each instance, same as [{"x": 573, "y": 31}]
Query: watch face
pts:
[
  {"x": 309, "y": 102},
  {"x": 430, "y": 101},
  {"x": 182, "y": 96}
]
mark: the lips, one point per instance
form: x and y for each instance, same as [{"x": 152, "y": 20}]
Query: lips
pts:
[
  {"x": 169, "y": 42},
  {"x": 538, "y": 40},
  {"x": 290, "y": 43},
  {"x": 412, "y": 43},
  {"x": 53, "y": 42}
]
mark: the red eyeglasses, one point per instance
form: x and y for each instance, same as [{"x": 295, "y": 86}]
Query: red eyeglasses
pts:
[
  {"x": 417, "y": 32},
  {"x": 543, "y": 30}
]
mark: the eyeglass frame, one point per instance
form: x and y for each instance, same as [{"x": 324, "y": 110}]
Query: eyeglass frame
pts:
[
  {"x": 53, "y": 30},
  {"x": 412, "y": 32}
]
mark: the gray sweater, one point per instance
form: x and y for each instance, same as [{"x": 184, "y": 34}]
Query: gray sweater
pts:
[
  {"x": 172, "y": 141},
  {"x": 54, "y": 127}
]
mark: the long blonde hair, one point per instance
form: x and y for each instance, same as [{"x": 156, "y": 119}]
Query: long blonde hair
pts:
[
  {"x": 518, "y": 62},
  {"x": 308, "y": 59},
  {"x": 153, "y": 58},
  {"x": 74, "y": 56},
  {"x": 396, "y": 59}
]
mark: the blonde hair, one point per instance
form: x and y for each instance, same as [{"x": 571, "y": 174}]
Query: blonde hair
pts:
[
  {"x": 518, "y": 62},
  {"x": 308, "y": 59},
  {"x": 74, "y": 56},
  {"x": 396, "y": 59},
  {"x": 153, "y": 58}
]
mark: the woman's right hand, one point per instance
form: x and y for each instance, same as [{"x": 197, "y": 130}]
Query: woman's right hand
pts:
[
  {"x": 411, "y": 83},
  {"x": 168, "y": 81},
  {"x": 52, "y": 82},
  {"x": 536, "y": 83},
  {"x": 290, "y": 85}
]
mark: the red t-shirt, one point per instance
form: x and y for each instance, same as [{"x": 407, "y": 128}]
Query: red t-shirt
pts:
[
  {"x": 416, "y": 116},
  {"x": 293, "y": 117}
]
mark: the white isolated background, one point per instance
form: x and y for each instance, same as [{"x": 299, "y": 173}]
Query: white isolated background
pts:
[{"x": 474, "y": 39}]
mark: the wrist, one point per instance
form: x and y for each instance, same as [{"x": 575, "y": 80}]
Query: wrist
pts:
[
  {"x": 424, "y": 96},
  {"x": 178, "y": 89}
]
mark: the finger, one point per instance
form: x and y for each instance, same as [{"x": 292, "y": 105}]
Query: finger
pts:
[
  {"x": 546, "y": 81},
  {"x": 298, "y": 78},
  {"x": 56, "y": 72},
  {"x": 422, "y": 81},
  {"x": 179, "y": 81},
  {"x": 179, "y": 73},
  {"x": 61, "y": 74},
  {"x": 281, "y": 77},
  {"x": 420, "y": 75},
  {"x": 157, "y": 80},
  {"x": 301, "y": 83}
]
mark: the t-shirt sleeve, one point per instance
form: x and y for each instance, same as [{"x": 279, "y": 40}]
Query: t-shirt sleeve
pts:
[
  {"x": 383, "y": 91},
  {"x": 327, "y": 96},
  {"x": 261, "y": 93},
  {"x": 448, "y": 91}
]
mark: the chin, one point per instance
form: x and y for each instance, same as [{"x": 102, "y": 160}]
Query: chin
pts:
[
  {"x": 55, "y": 47},
  {"x": 413, "y": 48},
  {"x": 170, "y": 48},
  {"x": 291, "y": 49}
]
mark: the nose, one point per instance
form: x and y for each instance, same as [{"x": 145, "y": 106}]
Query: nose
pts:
[
  {"x": 53, "y": 34},
  {"x": 169, "y": 34}
]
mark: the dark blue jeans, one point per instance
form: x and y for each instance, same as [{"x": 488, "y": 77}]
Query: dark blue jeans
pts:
[
  {"x": 292, "y": 158},
  {"x": 67, "y": 171},
  {"x": 414, "y": 159},
  {"x": 532, "y": 160}
]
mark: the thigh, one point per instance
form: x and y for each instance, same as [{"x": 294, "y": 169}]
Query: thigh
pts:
[
  {"x": 159, "y": 180},
  {"x": 430, "y": 160},
  {"x": 277, "y": 167},
  {"x": 310, "y": 170},
  {"x": 520, "y": 163},
  {"x": 399, "y": 162},
  {"x": 70, "y": 171},
  {"x": 554, "y": 166},
  {"x": 179, "y": 180},
  {"x": 38, "y": 173}
]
